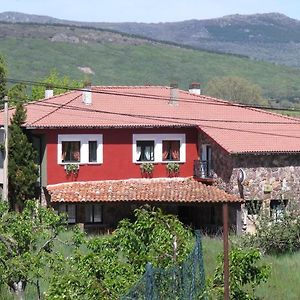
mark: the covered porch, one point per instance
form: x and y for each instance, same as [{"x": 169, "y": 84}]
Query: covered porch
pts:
[{"x": 100, "y": 205}]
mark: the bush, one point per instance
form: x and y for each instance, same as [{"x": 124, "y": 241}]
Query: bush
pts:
[
  {"x": 112, "y": 264},
  {"x": 245, "y": 275},
  {"x": 276, "y": 236}
]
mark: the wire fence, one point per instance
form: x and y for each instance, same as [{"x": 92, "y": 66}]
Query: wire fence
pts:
[{"x": 183, "y": 282}]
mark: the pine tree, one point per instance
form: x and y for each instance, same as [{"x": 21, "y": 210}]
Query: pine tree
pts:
[
  {"x": 22, "y": 169},
  {"x": 2, "y": 78}
]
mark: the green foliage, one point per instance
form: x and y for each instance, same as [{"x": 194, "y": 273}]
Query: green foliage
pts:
[
  {"x": 246, "y": 274},
  {"x": 22, "y": 168},
  {"x": 72, "y": 169},
  {"x": 114, "y": 263},
  {"x": 235, "y": 89},
  {"x": 284, "y": 279},
  {"x": 57, "y": 83},
  {"x": 173, "y": 167},
  {"x": 154, "y": 237},
  {"x": 123, "y": 64},
  {"x": 17, "y": 94},
  {"x": 26, "y": 242},
  {"x": 278, "y": 236},
  {"x": 147, "y": 168},
  {"x": 2, "y": 78}
]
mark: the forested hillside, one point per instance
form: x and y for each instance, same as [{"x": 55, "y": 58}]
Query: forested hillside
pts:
[{"x": 32, "y": 50}]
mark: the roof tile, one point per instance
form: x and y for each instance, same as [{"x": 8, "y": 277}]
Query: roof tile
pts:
[
  {"x": 236, "y": 128},
  {"x": 185, "y": 190}
]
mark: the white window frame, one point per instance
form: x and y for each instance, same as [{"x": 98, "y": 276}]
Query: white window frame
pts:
[
  {"x": 158, "y": 148},
  {"x": 84, "y": 147}
]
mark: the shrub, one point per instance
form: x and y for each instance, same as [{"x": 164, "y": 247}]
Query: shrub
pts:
[
  {"x": 112, "y": 264},
  {"x": 173, "y": 167},
  {"x": 147, "y": 168},
  {"x": 245, "y": 275},
  {"x": 276, "y": 236}
]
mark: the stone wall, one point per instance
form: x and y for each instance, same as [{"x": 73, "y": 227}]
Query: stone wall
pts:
[
  {"x": 274, "y": 174},
  {"x": 277, "y": 175},
  {"x": 222, "y": 163}
]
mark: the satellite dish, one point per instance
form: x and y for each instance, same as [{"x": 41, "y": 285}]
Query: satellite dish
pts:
[{"x": 241, "y": 176}]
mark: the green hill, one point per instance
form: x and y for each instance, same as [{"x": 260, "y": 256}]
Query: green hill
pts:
[
  {"x": 122, "y": 60},
  {"x": 271, "y": 37}
]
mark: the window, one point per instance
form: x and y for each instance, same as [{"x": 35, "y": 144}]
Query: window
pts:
[
  {"x": 93, "y": 213},
  {"x": 81, "y": 148},
  {"x": 206, "y": 161},
  {"x": 145, "y": 150},
  {"x": 171, "y": 150},
  {"x": 253, "y": 206},
  {"x": 70, "y": 210},
  {"x": 277, "y": 209},
  {"x": 92, "y": 151},
  {"x": 158, "y": 147},
  {"x": 70, "y": 151}
]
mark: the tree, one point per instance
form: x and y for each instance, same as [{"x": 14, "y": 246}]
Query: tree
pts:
[
  {"x": 246, "y": 273},
  {"x": 114, "y": 263},
  {"x": 17, "y": 94},
  {"x": 2, "y": 78},
  {"x": 55, "y": 82},
  {"x": 22, "y": 167},
  {"x": 26, "y": 243},
  {"x": 235, "y": 89}
]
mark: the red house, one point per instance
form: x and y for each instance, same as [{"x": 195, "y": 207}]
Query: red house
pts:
[{"x": 98, "y": 147}]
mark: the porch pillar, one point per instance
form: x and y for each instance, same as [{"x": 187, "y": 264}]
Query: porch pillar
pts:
[{"x": 226, "y": 256}]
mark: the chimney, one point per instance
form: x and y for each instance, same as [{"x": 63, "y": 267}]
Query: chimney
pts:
[
  {"x": 48, "y": 92},
  {"x": 194, "y": 88},
  {"x": 87, "y": 95},
  {"x": 173, "y": 94}
]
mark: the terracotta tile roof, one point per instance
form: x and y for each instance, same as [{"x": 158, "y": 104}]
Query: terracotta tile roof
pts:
[
  {"x": 178, "y": 190},
  {"x": 237, "y": 129}
]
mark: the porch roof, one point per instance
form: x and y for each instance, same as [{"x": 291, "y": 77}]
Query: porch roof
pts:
[{"x": 176, "y": 190}]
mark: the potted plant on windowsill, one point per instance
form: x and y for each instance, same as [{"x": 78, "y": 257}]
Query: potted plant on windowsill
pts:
[
  {"x": 147, "y": 169},
  {"x": 72, "y": 169},
  {"x": 173, "y": 168}
]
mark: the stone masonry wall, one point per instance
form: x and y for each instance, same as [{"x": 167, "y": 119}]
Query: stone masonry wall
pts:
[{"x": 275, "y": 174}]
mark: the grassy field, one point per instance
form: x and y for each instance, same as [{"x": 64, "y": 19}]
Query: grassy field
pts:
[
  {"x": 116, "y": 64},
  {"x": 283, "y": 283}
]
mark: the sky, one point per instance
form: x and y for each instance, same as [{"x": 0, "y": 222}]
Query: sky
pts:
[{"x": 148, "y": 10}]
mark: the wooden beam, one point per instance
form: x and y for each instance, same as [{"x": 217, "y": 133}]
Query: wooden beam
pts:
[{"x": 226, "y": 250}]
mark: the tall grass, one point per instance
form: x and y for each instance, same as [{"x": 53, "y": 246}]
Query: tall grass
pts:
[{"x": 284, "y": 282}]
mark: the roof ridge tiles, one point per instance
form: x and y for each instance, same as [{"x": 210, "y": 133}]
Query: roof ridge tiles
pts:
[{"x": 129, "y": 180}]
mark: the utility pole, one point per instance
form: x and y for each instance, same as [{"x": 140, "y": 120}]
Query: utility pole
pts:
[
  {"x": 5, "y": 162},
  {"x": 226, "y": 254}
]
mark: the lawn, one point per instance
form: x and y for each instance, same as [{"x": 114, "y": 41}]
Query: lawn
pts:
[{"x": 284, "y": 282}]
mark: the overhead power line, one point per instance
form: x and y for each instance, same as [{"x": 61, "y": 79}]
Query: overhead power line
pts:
[
  {"x": 204, "y": 100},
  {"x": 173, "y": 120},
  {"x": 67, "y": 106}
]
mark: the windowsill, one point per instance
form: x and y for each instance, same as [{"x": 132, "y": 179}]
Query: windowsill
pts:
[
  {"x": 159, "y": 162},
  {"x": 80, "y": 164},
  {"x": 93, "y": 223}
]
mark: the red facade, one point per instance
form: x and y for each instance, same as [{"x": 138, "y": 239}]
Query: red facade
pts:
[{"x": 117, "y": 155}]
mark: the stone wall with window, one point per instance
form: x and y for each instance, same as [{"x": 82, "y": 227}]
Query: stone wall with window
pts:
[
  {"x": 269, "y": 180},
  {"x": 275, "y": 175},
  {"x": 221, "y": 162}
]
